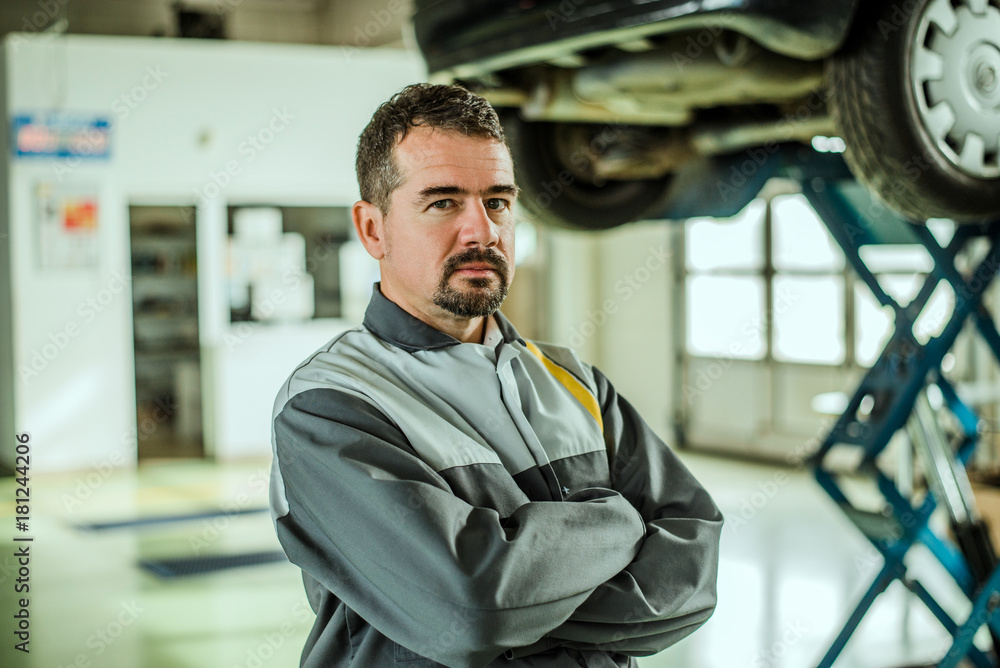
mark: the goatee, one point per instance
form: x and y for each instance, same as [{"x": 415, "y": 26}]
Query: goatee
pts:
[{"x": 481, "y": 297}]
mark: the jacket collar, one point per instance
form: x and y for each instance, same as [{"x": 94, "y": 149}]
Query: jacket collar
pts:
[{"x": 389, "y": 322}]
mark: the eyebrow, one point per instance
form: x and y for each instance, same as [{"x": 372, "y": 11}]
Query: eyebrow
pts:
[{"x": 433, "y": 192}]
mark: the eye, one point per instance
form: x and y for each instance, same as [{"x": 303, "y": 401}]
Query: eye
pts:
[
  {"x": 496, "y": 204},
  {"x": 441, "y": 204}
]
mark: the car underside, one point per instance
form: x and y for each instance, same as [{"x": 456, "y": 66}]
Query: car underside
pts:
[{"x": 615, "y": 100}]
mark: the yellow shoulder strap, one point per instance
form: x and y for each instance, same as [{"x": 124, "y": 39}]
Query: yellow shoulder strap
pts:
[{"x": 570, "y": 382}]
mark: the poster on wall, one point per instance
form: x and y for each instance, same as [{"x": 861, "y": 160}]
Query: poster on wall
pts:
[
  {"x": 68, "y": 226},
  {"x": 57, "y": 134}
]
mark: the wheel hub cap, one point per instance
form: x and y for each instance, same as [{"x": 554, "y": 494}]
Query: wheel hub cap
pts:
[
  {"x": 982, "y": 76},
  {"x": 955, "y": 75}
]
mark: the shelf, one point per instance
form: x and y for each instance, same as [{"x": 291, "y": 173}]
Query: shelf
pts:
[
  {"x": 157, "y": 242},
  {"x": 172, "y": 279},
  {"x": 165, "y": 319},
  {"x": 167, "y": 355}
]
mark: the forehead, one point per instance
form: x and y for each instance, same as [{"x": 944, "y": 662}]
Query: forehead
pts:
[{"x": 427, "y": 155}]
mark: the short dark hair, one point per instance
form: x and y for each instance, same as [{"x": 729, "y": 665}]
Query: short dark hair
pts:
[{"x": 445, "y": 107}]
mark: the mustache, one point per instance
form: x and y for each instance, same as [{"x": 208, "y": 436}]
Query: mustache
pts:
[{"x": 476, "y": 256}]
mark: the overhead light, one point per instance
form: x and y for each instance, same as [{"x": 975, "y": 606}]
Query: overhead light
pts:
[{"x": 828, "y": 144}]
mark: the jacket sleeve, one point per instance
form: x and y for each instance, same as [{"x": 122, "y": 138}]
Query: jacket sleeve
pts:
[
  {"x": 459, "y": 584},
  {"x": 669, "y": 590}
]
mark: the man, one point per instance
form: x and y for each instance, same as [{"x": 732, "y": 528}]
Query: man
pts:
[{"x": 453, "y": 493}]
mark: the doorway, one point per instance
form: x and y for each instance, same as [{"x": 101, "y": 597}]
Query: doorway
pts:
[{"x": 165, "y": 329}]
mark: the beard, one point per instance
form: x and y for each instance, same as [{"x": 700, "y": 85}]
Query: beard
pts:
[{"x": 481, "y": 296}]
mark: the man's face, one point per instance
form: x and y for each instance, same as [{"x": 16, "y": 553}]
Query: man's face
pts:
[{"x": 449, "y": 234}]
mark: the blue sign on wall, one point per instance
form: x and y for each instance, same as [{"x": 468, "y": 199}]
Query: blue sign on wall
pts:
[{"x": 61, "y": 135}]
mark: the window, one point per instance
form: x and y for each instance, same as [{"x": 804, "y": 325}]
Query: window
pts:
[
  {"x": 724, "y": 316},
  {"x": 807, "y": 296},
  {"x": 725, "y": 287},
  {"x": 766, "y": 284},
  {"x": 777, "y": 252}
]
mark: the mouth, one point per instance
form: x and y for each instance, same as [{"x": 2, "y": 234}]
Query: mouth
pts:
[{"x": 476, "y": 270}]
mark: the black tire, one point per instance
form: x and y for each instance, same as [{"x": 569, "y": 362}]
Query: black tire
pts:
[
  {"x": 890, "y": 146},
  {"x": 556, "y": 191}
]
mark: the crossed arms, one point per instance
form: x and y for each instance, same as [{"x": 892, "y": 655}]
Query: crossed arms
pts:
[{"x": 628, "y": 569}]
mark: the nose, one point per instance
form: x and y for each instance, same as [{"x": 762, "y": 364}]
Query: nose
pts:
[{"x": 477, "y": 228}]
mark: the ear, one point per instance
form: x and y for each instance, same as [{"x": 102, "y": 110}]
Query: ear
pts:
[{"x": 370, "y": 227}]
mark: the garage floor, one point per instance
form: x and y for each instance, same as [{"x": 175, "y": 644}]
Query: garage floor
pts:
[{"x": 791, "y": 569}]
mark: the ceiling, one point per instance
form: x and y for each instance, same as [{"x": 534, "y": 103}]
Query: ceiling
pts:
[{"x": 344, "y": 22}]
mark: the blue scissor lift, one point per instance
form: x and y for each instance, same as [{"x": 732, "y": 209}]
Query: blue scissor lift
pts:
[{"x": 892, "y": 397}]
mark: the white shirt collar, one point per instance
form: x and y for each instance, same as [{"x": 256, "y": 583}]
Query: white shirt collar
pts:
[{"x": 492, "y": 336}]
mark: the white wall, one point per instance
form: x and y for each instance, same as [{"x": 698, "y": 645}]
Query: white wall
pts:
[
  {"x": 636, "y": 297},
  {"x": 183, "y": 111},
  {"x": 611, "y": 300}
]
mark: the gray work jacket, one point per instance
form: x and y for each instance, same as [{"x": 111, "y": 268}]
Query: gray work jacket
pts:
[{"x": 462, "y": 505}]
